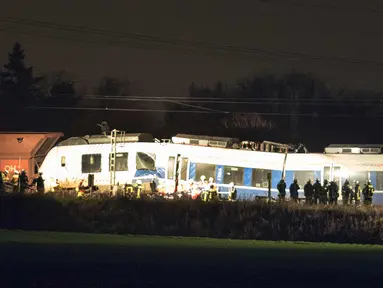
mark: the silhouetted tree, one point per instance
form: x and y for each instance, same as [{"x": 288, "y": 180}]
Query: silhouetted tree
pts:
[
  {"x": 62, "y": 85},
  {"x": 18, "y": 85},
  {"x": 110, "y": 86},
  {"x": 219, "y": 90},
  {"x": 193, "y": 89}
]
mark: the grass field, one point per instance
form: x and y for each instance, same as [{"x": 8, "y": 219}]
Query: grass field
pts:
[{"x": 47, "y": 259}]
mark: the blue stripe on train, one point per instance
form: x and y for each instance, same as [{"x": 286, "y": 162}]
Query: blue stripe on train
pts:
[
  {"x": 160, "y": 173},
  {"x": 373, "y": 178},
  {"x": 192, "y": 171},
  {"x": 219, "y": 174}
]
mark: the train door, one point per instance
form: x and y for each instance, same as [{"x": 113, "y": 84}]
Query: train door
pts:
[
  {"x": 171, "y": 173},
  {"x": 177, "y": 171},
  {"x": 184, "y": 169},
  {"x": 333, "y": 173}
]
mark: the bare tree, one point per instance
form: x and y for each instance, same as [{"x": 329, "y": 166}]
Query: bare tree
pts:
[{"x": 247, "y": 120}]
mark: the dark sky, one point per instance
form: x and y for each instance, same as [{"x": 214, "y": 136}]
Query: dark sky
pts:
[{"x": 350, "y": 30}]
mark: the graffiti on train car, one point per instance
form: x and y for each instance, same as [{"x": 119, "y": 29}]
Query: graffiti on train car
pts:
[
  {"x": 380, "y": 165},
  {"x": 12, "y": 165}
]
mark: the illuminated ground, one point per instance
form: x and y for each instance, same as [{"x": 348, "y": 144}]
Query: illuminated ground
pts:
[{"x": 82, "y": 260}]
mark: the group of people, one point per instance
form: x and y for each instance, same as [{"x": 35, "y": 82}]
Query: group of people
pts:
[
  {"x": 208, "y": 191},
  {"x": 20, "y": 182},
  {"x": 328, "y": 193}
]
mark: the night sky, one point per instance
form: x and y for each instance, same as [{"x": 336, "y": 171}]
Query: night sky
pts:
[{"x": 348, "y": 30}]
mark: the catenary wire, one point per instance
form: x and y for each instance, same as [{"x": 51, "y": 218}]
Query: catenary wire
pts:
[
  {"x": 195, "y": 44},
  {"x": 255, "y": 102},
  {"x": 203, "y": 112},
  {"x": 124, "y": 109},
  {"x": 377, "y": 98},
  {"x": 119, "y": 43}
]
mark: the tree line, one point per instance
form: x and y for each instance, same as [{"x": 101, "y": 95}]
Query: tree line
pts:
[
  {"x": 295, "y": 107},
  {"x": 20, "y": 85}
]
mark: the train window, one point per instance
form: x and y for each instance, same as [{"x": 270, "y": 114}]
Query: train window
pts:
[
  {"x": 207, "y": 170},
  {"x": 121, "y": 161},
  {"x": 260, "y": 178},
  {"x": 361, "y": 176},
  {"x": 304, "y": 176},
  {"x": 326, "y": 173},
  {"x": 379, "y": 181},
  {"x": 171, "y": 167},
  {"x": 184, "y": 168},
  {"x": 146, "y": 161},
  {"x": 63, "y": 163},
  {"x": 233, "y": 174},
  {"x": 91, "y": 163}
]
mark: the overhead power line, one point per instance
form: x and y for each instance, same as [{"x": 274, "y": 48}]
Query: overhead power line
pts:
[
  {"x": 123, "y": 109},
  {"x": 204, "y": 112},
  {"x": 184, "y": 43},
  {"x": 188, "y": 105},
  {"x": 203, "y": 100}
]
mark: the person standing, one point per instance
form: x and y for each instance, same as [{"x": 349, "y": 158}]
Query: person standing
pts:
[
  {"x": 357, "y": 192},
  {"x": 281, "y": 190},
  {"x": 294, "y": 187},
  {"x": 308, "y": 191},
  {"x": 368, "y": 193},
  {"x": 333, "y": 193},
  {"x": 317, "y": 187}
]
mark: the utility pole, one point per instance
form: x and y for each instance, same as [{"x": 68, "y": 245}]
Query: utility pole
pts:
[
  {"x": 113, "y": 154},
  {"x": 112, "y": 158},
  {"x": 269, "y": 186},
  {"x": 284, "y": 163}
]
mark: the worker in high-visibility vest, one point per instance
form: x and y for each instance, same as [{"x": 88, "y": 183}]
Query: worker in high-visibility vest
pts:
[
  {"x": 368, "y": 193},
  {"x": 357, "y": 192},
  {"x": 232, "y": 192},
  {"x": 80, "y": 190},
  {"x": 204, "y": 195},
  {"x": 138, "y": 188},
  {"x": 3, "y": 179}
]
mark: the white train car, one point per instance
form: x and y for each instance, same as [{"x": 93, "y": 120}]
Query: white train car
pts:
[{"x": 138, "y": 156}]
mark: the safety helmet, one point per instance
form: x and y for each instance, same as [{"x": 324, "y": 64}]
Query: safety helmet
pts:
[
  {"x": 139, "y": 182},
  {"x": 202, "y": 178}
]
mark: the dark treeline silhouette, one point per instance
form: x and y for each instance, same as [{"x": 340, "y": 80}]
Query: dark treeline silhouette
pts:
[
  {"x": 21, "y": 93},
  {"x": 289, "y": 108}
]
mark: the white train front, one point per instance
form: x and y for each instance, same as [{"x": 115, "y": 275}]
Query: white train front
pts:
[{"x": 139, "y": 156}]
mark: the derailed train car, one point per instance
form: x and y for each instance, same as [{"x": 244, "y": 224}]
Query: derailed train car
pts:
[{"x": 140, "y": 156}]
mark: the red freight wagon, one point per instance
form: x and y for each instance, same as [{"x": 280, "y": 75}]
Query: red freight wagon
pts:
[{"x": 26, "y": 151}]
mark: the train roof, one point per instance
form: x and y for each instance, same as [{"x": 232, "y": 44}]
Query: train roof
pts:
[
  {"x": 103, "y": 139},
  {"x": 355, "y": 145},
  {"x": 204, "y": 137}
]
